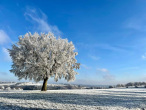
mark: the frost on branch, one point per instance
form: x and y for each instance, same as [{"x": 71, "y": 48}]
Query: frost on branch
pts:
[{"x": 43, "y": 56}]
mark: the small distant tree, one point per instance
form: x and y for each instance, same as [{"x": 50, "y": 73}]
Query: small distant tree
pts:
[
  {"x": 122, "y": 85},
  {"x": 118, "y": 85},
  {"x": 129, "y": 84},
  {"x": 136, "y": 84},
  {"x": 40, "y": 57},
  {"x": 111, "y": 86},
  {"x": 143, "y": 83}
]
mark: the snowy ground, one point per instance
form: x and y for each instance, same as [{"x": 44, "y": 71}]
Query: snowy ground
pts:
[{"x": 100, "y": 99}]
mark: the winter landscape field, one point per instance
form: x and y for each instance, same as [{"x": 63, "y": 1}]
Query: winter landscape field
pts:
[
  {"x": 83, "y": 99},
  {"x": 72, "y": 54}
]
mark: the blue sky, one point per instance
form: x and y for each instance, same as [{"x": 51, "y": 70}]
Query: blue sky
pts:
[{"x": 109, "y": 35}]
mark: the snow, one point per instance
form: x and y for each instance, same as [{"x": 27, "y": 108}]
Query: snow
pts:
[
  {"x": 28, "y": 84},
  {"x": 7, "y": 84},
  {"x": 86, "y": 99}
]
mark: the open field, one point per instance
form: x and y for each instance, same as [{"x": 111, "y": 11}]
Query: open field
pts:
[{"x": 100, "y": 99}]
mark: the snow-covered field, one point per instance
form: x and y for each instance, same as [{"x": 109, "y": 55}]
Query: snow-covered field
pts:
[{"x": 86, "y": 99}]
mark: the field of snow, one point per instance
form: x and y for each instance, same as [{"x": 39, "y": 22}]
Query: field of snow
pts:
[{"x": 86, "y": 99}]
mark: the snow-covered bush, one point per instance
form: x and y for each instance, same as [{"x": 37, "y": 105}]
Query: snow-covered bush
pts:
[
  {"x": 19, "y": 89},
  {"x": 14, "y": 89},
  {"x": 8, "y": 88},
  {"x": 40, "y": 57},
  {"x": 2, "y": 87}
]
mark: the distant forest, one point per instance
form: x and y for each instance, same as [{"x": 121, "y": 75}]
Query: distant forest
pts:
[{"x": 131, "y": 84}]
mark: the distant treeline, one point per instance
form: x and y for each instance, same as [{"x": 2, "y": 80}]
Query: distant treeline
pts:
[
  {"x": 69, "y": 86},
  {"x": 130, "y": 84},
  {"x": 38, "y": 87},
  {"x": 49, "y": 87},
  {"x": 6, "y": 82}
]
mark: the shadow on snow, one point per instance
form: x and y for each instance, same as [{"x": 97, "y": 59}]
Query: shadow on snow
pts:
[{"x": 105, "y": 99}]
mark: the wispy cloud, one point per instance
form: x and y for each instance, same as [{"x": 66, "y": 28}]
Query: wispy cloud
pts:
[
  {"x": 6, "y": 54},
  {"x": 3, "y": 73},
  {"x": 105, "y": 74},
  {"x": 136, "y": 23},
  {"x": 103, "y": 46},
  {"x": 110, "y": 47},
  {"x": 94, "y": 57},
  {"x": 4, "y": 38},
  {"x": 108, "y": 77},
  {"x": 87, "y": 82},
  {"x": 85, "y": 66},
  {"x": 130, "y": 68},
  {"x": 102, "y": 70},
  {"x": 94, "y": 82},
  {"x": 144, "y": 56},
  {"x": 39, "y": 19}
]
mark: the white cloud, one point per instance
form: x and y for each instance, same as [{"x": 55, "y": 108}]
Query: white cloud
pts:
[
  {"x": 105, "y": 74},
  {"x": 94, "y": 57},
  {"x": 130, "y": 68},
  {"x": 87, "y": 82},
  {"x": 110, "y": 47},
  {"x": 102, "y": 70},
  {"x": 108, "y": 77},
  {"x": 136, "y": 23},
  {"x": 94, "y": 82},
  {"x": 39, "y": 19},
  {"x": 4, "y": 38},
  {"x": 103, "y": 46},
  {"x": 144, "y": 56},
  {"x": 6, "y": 53},
  {"x": 85, "y": 66}
]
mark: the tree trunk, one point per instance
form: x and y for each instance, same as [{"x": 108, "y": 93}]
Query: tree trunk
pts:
[{"x": 44, "y": 87}]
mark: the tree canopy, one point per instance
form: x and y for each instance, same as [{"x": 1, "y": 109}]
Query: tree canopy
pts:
[{"x": 40, "y": 56}]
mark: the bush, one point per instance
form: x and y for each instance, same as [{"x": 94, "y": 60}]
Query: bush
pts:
[
  {"x": 111, "y": 87},
  {"x": 8, "y": 88},
  {"x": 2, "y": 87}
]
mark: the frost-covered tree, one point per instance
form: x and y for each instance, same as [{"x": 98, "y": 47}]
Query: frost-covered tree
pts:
[{"x": 42, "y": 56}]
